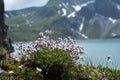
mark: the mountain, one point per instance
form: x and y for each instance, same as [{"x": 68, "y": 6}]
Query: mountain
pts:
[{"x": 80, "y": 19}]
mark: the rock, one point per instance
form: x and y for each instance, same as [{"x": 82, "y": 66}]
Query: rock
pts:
[
  {"x": 96, "y": 73},
  {"x": 5, "y": 42},
  {"x": 2, "y": 71}
]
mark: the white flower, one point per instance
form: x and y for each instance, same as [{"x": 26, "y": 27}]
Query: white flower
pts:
[
  {"x": 10, "y": 72},
  {"x": 41, "y": 34},
  {"x": 38, "y": 69},
  {"x": 27, "y": 57},
  {"x": 17, "y": 59},
  {"x": 20, "y": 67}
]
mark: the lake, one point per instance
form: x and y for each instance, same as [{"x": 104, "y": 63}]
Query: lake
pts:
[{"x": 96, "y": 51}]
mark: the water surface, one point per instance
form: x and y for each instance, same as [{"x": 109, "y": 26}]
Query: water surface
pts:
[{"x": 97, "y": 51}]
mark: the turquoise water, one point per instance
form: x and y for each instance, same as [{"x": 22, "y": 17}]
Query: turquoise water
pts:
[{"x": 96, "y": 51}]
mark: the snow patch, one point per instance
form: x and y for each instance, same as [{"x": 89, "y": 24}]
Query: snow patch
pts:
[
  {"x": 112, "y": 20},
  {"x": 113, "y": 34},
  {"x": 90, "y": 2},
  {"x": 84, "y": 36},
  {"x": 64, "y": 12},
  {"x": 71, "y": 15},
  {"x": 6, "y": 15},
  {"x": 81, "y": 27},
  {"x": 85, "y": 4},
  {"x": 79, "y": 7},
  {"x": 118, "y": 6}
]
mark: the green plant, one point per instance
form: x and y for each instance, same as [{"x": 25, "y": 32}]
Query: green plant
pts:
[
  {"x": 3, "y": 53},
  {"x": 55, "y": 64}
]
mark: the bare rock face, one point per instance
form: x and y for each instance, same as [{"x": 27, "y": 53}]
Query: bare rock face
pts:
[{"x": 5, "y": 42}]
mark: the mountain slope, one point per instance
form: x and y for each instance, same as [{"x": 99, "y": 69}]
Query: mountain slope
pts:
[{"x": 81, "y": 19}]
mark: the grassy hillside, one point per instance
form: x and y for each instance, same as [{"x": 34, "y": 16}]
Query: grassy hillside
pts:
[{"x": 26, "y": 24}]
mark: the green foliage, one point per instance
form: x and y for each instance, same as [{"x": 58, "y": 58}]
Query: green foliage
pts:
[
  {"x": 92, "y": 31},
  {"x": 9, "y": 64},
  {"x": 53, "y": 3},
  {"x": 55, "y": 64},
  {"x": 18, "y": 74},
  {"x": 20, "y": 30},
  {"x": 39, "y": 19},
  {"x": 96, "y": 29},
  {"x": 111, "y": 74},
  {"x": 3, "y": 53}
]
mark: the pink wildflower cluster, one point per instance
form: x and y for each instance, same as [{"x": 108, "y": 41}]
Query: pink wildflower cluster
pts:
[
  {"x": 44, "y": 42},
  {"x": 25, "y": 47},
  {"x": 66, "y": 44}
]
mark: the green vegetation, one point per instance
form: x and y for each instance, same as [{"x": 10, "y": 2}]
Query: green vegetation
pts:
[
  {"x": 24, "y": 25},
  {"x": 53, "y": 3},
  {"x": 88, "y": 29},
  {"x": 20, "y": 30},
  {"x": 53, "y": 65},
  {"x": 25, "y": 32}
]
